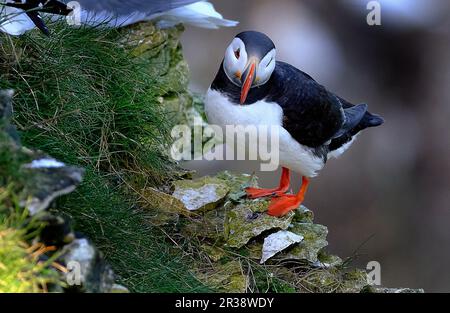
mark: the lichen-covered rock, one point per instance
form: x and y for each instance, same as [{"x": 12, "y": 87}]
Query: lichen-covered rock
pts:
[
  {"x": 277, "y": 242},
  {"x": 165, "y": 208},
  {"x": 145, "y": 39},
  {"x": 202, "y": 194},
  {"x": 162, "y": 50},
  {"x": 209, "y": 225},
  {"x": 303, "y": 215},
  {"x": 249, "y": 219},
  {"x": 374, "y": 289},
  {"x": 228, "y": 277},
  {"x": 240, "y": 229},
  {"x": 335, "y": 280},
  {"x": 351, "y": 281},
  {"x": 326, "y": 260},
  {"x": 46, "y": 180},
  {"x": 214, "y": 253},
  {"x": 314, "y": 241},
  {"x": 237, "y": 182}
]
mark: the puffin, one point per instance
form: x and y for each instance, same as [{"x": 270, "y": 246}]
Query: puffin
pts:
[
  {"x": 110, "y": 13},
  {"x": 253, "y": 88}
]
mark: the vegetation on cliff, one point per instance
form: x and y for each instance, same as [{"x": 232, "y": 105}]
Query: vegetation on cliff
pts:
[{"x": 90, "y": 97}]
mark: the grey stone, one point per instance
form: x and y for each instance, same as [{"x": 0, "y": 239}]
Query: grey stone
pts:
[{"x": 46, "y": 180}]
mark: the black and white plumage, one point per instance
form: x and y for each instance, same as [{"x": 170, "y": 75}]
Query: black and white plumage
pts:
[
  {"x": 19, "y": 16},
  {"x": 252, "y": 88}
]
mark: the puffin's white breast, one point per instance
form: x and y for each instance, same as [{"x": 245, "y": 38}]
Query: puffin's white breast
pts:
[{"x": 222, "y": 112}]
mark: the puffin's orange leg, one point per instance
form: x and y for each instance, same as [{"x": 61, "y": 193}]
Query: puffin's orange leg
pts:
[
  {"x": 281, "y": 189},
  {"x": 282, "y": 205}
]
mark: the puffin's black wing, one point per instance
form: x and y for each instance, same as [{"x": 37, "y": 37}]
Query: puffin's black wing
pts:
[
  {"x": 367, "y": 120},
  {"x": 353, "y": 116},
  {"x": 312, "y": 115}
]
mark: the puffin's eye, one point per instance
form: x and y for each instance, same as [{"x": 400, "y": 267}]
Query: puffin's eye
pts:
[{"x": 237, "y": 53}]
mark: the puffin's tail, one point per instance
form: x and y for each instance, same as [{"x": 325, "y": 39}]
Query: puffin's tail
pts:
[
  {"x": 368, "y": 120},
  {"x": 358, "y": 119}
]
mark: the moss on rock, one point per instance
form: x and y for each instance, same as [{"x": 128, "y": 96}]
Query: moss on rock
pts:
[
  {"x": 228, "y": 277},
  {"x": 248, "y": 220},
  {"x": 314, "y": 240}
]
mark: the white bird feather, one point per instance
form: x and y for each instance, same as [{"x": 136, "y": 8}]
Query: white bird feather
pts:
[{"x": 14, "y": 22}]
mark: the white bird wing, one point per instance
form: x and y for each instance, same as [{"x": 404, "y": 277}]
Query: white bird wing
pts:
[
  {"x": 116, "y": 13},
  {"x": 121, "y": 7},
  {"x": 200, "y": 14},
  {"x": 168, "y": 12},
  {"x": 14, "y": 21}
]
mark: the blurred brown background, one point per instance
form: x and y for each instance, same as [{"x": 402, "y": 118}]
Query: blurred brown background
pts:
[{"x": 390, "y": 192}]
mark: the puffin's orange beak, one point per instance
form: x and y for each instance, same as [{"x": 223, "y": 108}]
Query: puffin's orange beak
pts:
[{"x": 248, "y": 82}]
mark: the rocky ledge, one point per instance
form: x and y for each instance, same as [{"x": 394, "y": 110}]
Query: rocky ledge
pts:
[{"x": 232, "y": 230}]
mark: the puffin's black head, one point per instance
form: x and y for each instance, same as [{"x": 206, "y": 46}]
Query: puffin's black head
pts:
[{"x": 249, "y": 61}]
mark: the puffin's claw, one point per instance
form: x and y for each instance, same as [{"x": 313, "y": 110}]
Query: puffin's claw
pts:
[
  {"x": 282, "y": 205},
  {"x": 253, "y": 193}
]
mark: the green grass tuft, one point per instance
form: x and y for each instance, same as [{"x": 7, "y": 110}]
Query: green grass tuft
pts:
[
  {"x": 82, "y": 98},
  {"x": 20, "y": 268}
]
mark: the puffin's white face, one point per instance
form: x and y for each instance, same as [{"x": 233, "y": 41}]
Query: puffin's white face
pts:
[
  {"x": 265, "y": 68},
  {"x": 245, "y": 70},
  {"x": 235, "y": 61}
]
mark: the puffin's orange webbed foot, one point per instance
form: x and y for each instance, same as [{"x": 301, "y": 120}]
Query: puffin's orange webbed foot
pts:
[
  {"x": 253, "y": 193},
  {"x": 282, "y": 205}
]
